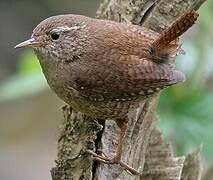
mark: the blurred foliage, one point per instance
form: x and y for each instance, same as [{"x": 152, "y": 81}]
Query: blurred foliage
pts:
[
  {"x": 28, "y": 80},
  {"x": 186, "y": 118}
]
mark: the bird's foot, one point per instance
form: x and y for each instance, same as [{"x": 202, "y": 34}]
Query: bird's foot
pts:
[{"x": 105, "y": 159}]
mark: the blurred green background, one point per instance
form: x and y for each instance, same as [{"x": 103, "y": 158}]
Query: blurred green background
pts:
[{"x": 29, "y": 111}]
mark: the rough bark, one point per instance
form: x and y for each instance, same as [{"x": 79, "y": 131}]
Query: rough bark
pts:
[
  {"x": 192, "y": 166},
  {"x": 144, "y": 147}
]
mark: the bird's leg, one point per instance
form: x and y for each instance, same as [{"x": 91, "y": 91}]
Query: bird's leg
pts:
[
  {"x": 118, "y": 153},
  {"x": 119, "y": 149}
]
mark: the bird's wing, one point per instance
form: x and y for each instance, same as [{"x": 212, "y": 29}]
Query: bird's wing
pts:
[{"x": 123, "y": 79}]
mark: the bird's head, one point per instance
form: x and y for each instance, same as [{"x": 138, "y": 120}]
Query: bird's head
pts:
[{"x": 57, "y": 37}]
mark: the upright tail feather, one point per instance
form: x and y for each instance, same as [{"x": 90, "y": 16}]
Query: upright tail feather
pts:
[{"x": 166, "y": 42}]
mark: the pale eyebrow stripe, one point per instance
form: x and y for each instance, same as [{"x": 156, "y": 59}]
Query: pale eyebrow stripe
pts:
[{"x": 66, "y": 28}]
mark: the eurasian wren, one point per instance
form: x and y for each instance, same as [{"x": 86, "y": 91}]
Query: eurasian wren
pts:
[{"x": 104, "y": 68}]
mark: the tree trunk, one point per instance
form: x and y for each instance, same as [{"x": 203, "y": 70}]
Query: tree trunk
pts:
[{"x": 144, "y": 147}]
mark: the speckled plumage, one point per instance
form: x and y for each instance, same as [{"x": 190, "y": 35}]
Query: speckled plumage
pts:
[{"x": 102, "y": 68}]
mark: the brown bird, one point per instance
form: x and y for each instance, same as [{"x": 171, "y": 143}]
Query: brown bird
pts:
[{"x": 104, "y": 68}]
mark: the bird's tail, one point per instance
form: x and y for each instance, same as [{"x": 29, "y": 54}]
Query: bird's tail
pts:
[{"x": 167, "y": 42}]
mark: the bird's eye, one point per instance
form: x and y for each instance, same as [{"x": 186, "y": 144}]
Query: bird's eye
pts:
[{"x": 55, "y": 36}]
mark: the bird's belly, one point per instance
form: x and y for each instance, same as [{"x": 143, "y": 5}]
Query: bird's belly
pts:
[
  {"x": 100, "y": 109},
  {"x": 103, "y": 109}
]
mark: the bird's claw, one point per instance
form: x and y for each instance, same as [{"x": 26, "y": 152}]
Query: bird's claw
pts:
[{"x": 104, "y": 159}]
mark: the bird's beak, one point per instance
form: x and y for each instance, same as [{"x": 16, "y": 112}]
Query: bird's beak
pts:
[{"x": 29, "y": 43}]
